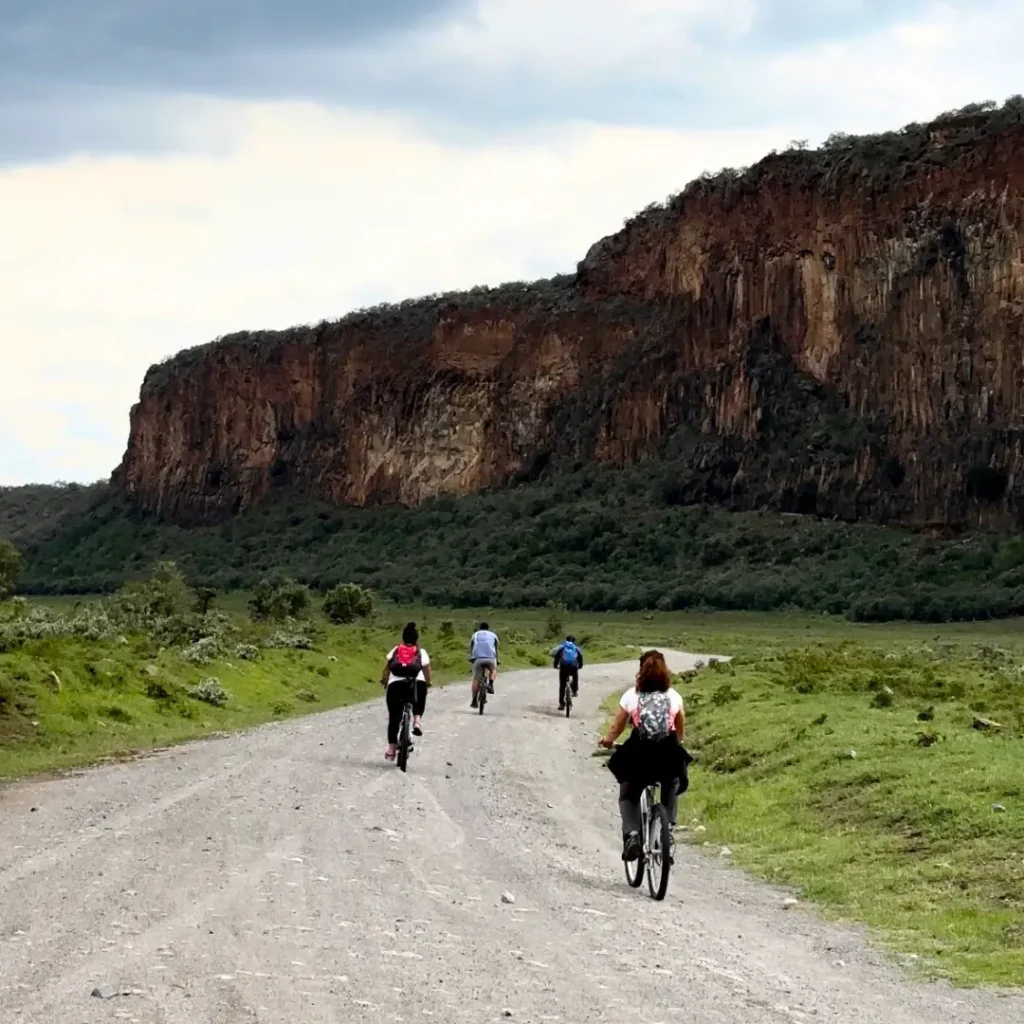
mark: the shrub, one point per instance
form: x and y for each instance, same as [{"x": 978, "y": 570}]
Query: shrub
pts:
[
  {"x": 556, "y": 620},
  {"x": 447, "y": 629},
  {"x": 203, "y": 651},
  {"x": 247, "y": 652},
  {"x": 348, "y": 602},
  {"x": 209, "y": 691},
  {"x": 279, "y": 600},
  {"x": 284, "y": 639}
]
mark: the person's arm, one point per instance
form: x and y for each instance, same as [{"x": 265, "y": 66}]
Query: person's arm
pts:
[
  {"x": 680, "y": 718},
  {"x": 616, "y": 728},
  {"x": 579, "y": 657},
  {"x": 427, "y": 674},
  {"x": 496, "y": 648}
]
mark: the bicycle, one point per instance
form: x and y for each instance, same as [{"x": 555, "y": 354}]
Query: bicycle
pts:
[
  {"x": 656, "y": 850},
  {"x": 568, "y": 700},
  {"x": 405, "y": 744},
  {"x": 485, "y": 688}
]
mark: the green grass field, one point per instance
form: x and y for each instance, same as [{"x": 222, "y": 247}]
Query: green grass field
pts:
[{"x": 854, "y": 765}]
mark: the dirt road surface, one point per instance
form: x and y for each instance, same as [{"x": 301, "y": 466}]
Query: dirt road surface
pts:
[{"x": 289, "y": 876}]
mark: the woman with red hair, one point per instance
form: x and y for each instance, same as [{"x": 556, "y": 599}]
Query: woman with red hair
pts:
[{"x": 654, "y": 751}]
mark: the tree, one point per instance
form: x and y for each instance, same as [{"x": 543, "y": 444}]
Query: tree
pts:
[
  {"x": 10, "y": 567},
  {"x": 348, "y": 602},
  {"x": 205, "y": 597}
]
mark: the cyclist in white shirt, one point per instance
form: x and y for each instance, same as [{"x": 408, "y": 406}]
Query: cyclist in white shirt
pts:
[
  {"x": 406, "y": 671},
  {"x": 654, "y": 751},
  {"x": 483, "y": 653}
]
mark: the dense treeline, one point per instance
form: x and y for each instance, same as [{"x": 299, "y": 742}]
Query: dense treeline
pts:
[{"x": 596, "y": 539}]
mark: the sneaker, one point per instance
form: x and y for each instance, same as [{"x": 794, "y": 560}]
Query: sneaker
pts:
[
  {"x": 473, "y": 703},
  {"x": 417, "y": 731},
  {"x": 631, "y": 848},
  {"x": 561, "y": 706},
  {"x": 575, "y": 691},
  {"x": 490, "y": 687}
]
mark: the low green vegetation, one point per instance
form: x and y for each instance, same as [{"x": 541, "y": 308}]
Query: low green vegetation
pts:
[
  {"x": 878, "y": 772},
  {"x": 596, "y": 539},
  {"x": 158, "y": 663}
]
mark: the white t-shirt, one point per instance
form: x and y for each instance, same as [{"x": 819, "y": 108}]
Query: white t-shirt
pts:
[
  {"x": 424, "y": 659},
  {"x": 630, "y": 703}
]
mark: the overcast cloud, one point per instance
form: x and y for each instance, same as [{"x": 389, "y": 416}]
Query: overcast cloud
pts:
[{"x": 175, "y": 169}]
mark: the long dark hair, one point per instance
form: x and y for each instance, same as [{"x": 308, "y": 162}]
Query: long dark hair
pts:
[
  {"x": 654, "y": 675},
  {"x": 411, "y": 635}
]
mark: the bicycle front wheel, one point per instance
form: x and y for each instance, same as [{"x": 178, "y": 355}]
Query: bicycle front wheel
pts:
[{"x": 659, "y": 845}]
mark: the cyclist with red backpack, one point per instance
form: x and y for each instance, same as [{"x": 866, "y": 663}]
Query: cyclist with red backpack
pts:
[
  {"x": 654, "y": 752},
  {"x": 406, "y": 671}
]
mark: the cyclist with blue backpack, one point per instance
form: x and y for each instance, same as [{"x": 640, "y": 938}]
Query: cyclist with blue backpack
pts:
[{"x": 567, "y": 657}]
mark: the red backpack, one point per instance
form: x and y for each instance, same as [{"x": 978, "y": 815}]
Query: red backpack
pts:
[{"x": 406, "y": 662}]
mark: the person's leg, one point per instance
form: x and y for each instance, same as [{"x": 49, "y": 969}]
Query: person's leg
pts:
[
  {"x": 562, "y": 680},
  {"x": 670, "y": 798},
  {"x": 629, "y": 810},
  {"x": 490, "y": 671},
  {"x": 419, "y": 705},
  {"x": 575, "y": 682},
  {"x": 476, "y": 682},
  {"x": 396, "y": 702}
]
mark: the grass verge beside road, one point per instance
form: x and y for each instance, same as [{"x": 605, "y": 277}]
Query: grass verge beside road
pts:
[
  {"x": 883, "y": 780},
  {"x": 69, "y": 700}
]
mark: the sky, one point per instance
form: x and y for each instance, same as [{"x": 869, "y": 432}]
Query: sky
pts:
[{"x": 174, "y": 170}]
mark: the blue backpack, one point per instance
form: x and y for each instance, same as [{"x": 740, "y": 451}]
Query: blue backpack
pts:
[{"x": 570, "y": 654}]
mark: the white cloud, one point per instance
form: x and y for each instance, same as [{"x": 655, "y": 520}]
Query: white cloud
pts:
[
  {"x": 569, "y": 38},
  {"x": 111, "y": 264}
]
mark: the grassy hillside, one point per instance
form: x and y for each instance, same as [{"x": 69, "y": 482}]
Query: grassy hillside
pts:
[
  {"x": 36, "y": 512},
  {"x": 596, "y": 539}
]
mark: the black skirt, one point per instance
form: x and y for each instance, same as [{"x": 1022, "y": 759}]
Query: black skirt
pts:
[{"x": 644, "y": 762}]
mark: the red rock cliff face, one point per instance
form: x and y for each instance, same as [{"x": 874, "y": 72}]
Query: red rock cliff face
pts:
[{"x": 839, "y": 333}]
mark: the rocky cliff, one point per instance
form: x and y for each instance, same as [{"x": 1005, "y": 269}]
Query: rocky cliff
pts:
[{"x": 838, "y": 332}]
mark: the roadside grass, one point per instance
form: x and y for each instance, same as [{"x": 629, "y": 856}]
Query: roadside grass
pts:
[
  {"x": 862, "y": 774},
  {"x": 69, "y": 701}
]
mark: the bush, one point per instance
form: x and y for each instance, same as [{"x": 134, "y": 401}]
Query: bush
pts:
[
  {"x": 209, "y": 691},
  {"x": 556, "y": 620},
  {"x": 348, "y": 602},
  {"x": 294, "y": 641},
  {"x": 203, "y": 651},
  {"x": 247, "y": 652},
  {"x": 279, "y": 600}
]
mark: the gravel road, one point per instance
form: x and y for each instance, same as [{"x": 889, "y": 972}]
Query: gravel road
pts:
[{"x": 290, "y": 875}]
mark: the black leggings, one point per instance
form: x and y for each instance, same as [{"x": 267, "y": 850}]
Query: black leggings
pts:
[
  {"x": 629, "y": 803},
  {"x": 397, "y": 694},
  {"x": 567, "y": 675}
]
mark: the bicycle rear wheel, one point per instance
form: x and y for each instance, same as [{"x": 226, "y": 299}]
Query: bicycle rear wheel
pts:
[
  {"x": 635, "y": 869},
  {"x": 405, "y": 738},
  {"x": 659, "y": 845},
  {"x": 568, "y": 701}
]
